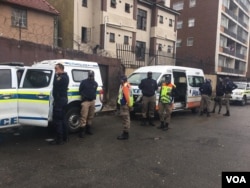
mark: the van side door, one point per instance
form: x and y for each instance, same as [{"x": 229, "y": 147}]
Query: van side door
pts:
[
  {"x": 35, "y": 96},
  {"x": 8, "y": 97}
]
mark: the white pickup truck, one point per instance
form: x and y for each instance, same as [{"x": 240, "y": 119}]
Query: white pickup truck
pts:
[{"x": 241, "y": 94}]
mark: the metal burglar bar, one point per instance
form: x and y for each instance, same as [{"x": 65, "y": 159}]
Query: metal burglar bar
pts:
[{"x": 132, "y": 57}]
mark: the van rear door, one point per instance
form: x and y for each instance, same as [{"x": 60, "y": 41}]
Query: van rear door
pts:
[
  {"x": 8, "y": 97},
  {"x": 35, "y": 96}
]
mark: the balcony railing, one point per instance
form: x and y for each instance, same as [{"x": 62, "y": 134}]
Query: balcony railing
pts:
[{"x": 230, "y": 70}]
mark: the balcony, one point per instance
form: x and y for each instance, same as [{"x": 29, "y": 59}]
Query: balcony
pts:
[
  {"x": 230, "y": 70},
  {"x": 230, "y": 33},
  {"x": 241, "y": 56},
  {"x": 231, "y": 13}
]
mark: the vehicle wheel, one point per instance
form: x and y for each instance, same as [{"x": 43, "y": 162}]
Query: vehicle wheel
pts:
[
  {"x": 73, "y": 119},
  {"x": 244, "y": 101}
]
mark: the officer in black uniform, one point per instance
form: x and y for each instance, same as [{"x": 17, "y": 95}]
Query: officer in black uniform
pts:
[{"x": 60, "y": 87}]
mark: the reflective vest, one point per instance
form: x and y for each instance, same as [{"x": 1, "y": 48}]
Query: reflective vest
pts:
[
  {"x": 166, "y": 93},
  {"x": 126, "y": 95}
]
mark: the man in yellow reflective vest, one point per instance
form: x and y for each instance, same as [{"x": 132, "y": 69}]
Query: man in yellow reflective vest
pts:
[
  {"x": 125, "y": 101},
  {"x": 165, "y": 102}
]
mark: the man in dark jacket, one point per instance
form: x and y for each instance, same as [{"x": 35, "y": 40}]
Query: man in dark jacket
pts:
[
  {"x": 60, "y": 88},
  {"x": 206, "y": 91},
  {"x": 219, "y": 95},
  {"x": 87, "y": 90},
  {"x": 148, "y": 87},
  {"x": 229, "y": 86}
]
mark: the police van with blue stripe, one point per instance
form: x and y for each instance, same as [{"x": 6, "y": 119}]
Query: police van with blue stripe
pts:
[{"x": 26, "y": 92}]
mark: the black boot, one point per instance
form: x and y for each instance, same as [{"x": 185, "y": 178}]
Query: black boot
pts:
[
  {"x": 165, "y": 128},
  {"x": 161, "y": 125},
  {"x": 123, "y": 136},
  {"x": 81, "y": 132},
  {"x": 88, "y": 130},
  {"x": 201, "y": 113},
  {"x": 143, "y": 122},
  {"x": 208, "y": 114},
  {"x": 213, "y": 111},
  {"x": 150, "y": 121},
  {"x": 57, "y": 141},
  {"x": 226, "y": 114}
]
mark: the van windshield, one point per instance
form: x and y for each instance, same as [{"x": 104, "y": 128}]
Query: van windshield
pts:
[{"x": 135, "y": 78}]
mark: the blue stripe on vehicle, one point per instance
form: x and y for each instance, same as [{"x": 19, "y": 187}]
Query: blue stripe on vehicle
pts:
[{"x": 32, "y": 118}]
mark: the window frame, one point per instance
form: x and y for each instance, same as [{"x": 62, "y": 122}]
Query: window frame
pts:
[
  {"x": 141, "y": 20},
  {"x": 112, "y": 37},
  {"x": 126, "y": 39},
  {"x": 85, "y": 3},
  {"x": 192, "y": 3},
  {"x": 191, "y": 22},
  {"x": 190, "y": 41},
  {"x": 19, "y": 18},
  {"x": 127, "y": 7},
  {"x": 113, "y": 3},
  {"x": 140, "y": 50}
]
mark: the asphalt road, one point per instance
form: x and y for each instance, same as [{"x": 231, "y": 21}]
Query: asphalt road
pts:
[{"x": 192, "y": 154}]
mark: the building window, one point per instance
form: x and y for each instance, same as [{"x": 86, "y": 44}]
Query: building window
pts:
[
  {"x": 127, "y": 7},
  {"x": 84, "y": 3},
  {"x": 170, "y": 22},
  {"x": 161, "y": 19},
  {"x": 178, "y": 43},
  {"x": 191, "y": 22},
  {"x": 113, "y": 3},
  {"x": 86, "y": 35},
  {"x": 190, "y": 41},
  {"x": 126, "y": 40},
  {"x": 169, "y": 49},
  {"x": 159, "y": 47},
  {"x": 141, "y": 19},
  {"x": 178, "y": 5},
  {"x": 179, "y": 24},
  {"x": 192, "y": 3},
  {"x": 19, "y": 18},
  {"x": 111, "y": 37},
  {"x": 140, "y": 50}
]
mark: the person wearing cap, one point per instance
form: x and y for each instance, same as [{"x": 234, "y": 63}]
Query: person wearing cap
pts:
[
  {"x": 148, "y": 87},
  {"x": 165, "y": 102},
  {"x": 219, "y": 95},
  {"x": 206, "y": 92},
  {"x": 60, "y": 95},
  {"x": 229, "y": 86},
  {"x": 87, "y": 90},
  {"x": 125, "y": 101}
]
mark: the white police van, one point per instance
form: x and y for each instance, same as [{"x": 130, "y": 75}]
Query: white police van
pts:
[
  {"x": 187, "y": 81},
  {"x": 26, "y": 92},
  {"x": 241, "y": 94}
]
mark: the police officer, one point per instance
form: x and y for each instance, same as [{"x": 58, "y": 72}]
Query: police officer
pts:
[
  {"x": 87, "y": 90},
  {"x": 60, "y": 87},
  {"x": 148, "y": 87},
  {"x": 206, "y": 91},
  {"x": 165, "y": 102},
  {"x": 125, "y": 101},
  {"x": 229, "y": 86},
  {"x": 219, "y": 95}
]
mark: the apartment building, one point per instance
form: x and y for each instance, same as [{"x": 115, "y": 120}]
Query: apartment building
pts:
[
  {"x": 142, "y": 28},
  {"x": 26, "y": 20},
  {"x": 214, "y": 35}
]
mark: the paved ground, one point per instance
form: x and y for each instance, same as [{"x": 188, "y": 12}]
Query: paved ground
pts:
[{"x": 192, "y": 154}]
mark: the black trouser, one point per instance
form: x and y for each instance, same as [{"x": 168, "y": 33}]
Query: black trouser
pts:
[{"x": 59, "y": 120}]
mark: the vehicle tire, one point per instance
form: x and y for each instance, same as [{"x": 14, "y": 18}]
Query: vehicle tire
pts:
[
  {"x": 244, "y": 101},
  {"x": 73, "y": 119}
]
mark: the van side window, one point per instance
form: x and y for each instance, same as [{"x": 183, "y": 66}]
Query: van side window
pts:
[
  {"x": 163, "y": 78},
  {"x": 79, "y": 75},
  {"x": 195, "y": 81},
  {"x": 5, "y": 81},
  {"x": 37, "y": 79}
]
